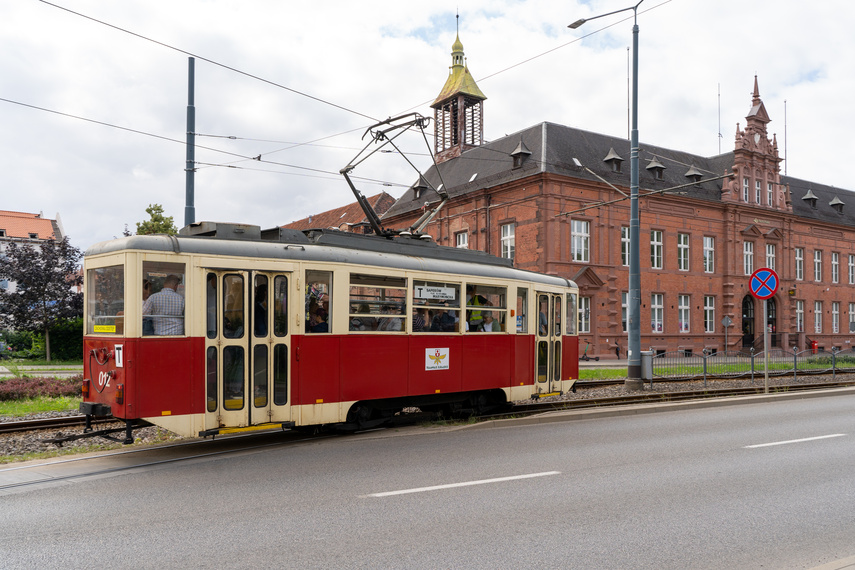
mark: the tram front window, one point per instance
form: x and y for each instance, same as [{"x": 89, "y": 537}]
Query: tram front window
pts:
[
  {"x": 105, "y": 300},
  {"x": 163, "y": 298}
]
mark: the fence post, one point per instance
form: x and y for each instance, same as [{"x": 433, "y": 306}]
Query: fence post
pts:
[
  {"x": 705, "y": 356},
  {"x": 795, "y": 365},
  {"x": 833, "y": 364},
  {"x": 752, "y": 365}
]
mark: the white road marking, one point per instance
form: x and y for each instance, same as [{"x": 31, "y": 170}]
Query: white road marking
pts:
[
  {"x": 794, "y": 441},
  {"x": 465, "y": 484}
]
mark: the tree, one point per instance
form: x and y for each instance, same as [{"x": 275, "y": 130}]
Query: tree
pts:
[
  {"x": 157, "y": 224},
  {"x": 44, "y": 275}
]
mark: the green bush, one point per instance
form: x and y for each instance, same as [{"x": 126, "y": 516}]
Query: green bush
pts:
[{"x": 66, "y": 340}]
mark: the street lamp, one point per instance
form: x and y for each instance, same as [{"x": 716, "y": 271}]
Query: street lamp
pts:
[{"x": 633, "y": 371}]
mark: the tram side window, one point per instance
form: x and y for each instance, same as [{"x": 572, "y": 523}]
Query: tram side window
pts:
[
  {"x": 542, "y": 315},
  {"x": 438, "y": 304},
  {"x": 522, "y": 310},
  {"x": 234, "y": 319},
  {"x": 378, "y": 303},
  {"x": 572, "y": 315},
  {"x": 280, "y": 305},
  {"x": 211, "y": 304},
  {"x": 318, "y": 291},
  {"x": 163, "y": 298},
  {"x": 105, "y": 300},
  {"x": 486, "y": 308}
]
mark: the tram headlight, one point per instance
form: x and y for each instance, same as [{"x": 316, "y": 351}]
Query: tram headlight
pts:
[
  {"x": 85, "y": 388},
  {"x": 120, "y": 394}
]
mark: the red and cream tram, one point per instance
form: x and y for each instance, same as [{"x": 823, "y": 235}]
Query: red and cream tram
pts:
[{"x": 228, "y": 328}]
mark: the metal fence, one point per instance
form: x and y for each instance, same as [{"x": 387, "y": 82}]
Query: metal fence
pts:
[{"x": 748, "y": 364}]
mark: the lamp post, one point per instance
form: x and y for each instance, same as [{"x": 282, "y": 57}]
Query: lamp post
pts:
[{"x": 633, "y": 371}]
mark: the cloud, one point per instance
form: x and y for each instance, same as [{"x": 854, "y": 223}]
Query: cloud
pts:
[{"x": 380, "y": 58}]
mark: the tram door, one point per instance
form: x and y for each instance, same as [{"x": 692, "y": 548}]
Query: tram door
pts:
[
  {"x": 548, "y": 342},
  {"x": 247, "y": 347}
]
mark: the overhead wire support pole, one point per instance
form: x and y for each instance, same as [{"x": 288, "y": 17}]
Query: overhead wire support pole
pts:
[
  {"x": 634, "y": 380},
  {"x": 190, "y": 166}
]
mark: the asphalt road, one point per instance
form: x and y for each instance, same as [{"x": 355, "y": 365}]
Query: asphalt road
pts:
[{"x": 767, "y": 485}]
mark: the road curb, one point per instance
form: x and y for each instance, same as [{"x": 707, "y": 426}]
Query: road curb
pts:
[{"x": 653, "y": 408}]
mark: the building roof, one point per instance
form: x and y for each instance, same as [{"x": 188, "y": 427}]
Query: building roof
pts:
[
  {"x": 349, "y": 215},
  {"x": 24, "y": 225},
  {"x": 553, "y": 148}
]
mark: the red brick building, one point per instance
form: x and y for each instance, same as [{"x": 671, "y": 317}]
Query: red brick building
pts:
[
  {"x": 348, "y": 218},
  {"x": 552, "y": 197}
]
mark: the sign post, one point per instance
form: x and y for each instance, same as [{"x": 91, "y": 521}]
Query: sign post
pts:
[{"x": 764, "y": 283}]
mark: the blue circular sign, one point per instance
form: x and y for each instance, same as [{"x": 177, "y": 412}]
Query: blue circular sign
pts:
[{"x": 764, "y": 283}]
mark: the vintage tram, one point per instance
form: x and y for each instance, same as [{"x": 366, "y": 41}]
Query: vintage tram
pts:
[{"x": 228, "y": 328}]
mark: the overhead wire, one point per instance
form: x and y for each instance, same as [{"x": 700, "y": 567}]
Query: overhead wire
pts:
[
  {"x": 273, "y": 83},
  {"x": 211, "y": 61}
]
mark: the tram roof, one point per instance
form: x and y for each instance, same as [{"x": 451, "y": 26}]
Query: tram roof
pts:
[{"x": 400, "y": 252}]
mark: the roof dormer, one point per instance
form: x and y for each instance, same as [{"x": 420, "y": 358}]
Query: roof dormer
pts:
[
  {"x": 656, "y": 168},
  {"x": 810, "y": 198},
  {"x": 520, "y": 154},
  {"x": 613, "y": 159},
  {"x": 837, "y": 204},
  {"x": 694, "y": 174}
]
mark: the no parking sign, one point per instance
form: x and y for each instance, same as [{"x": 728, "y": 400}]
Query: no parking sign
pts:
[{"x": 764, "y": 283}]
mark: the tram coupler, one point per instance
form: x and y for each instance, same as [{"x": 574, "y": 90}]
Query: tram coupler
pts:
[{"x": 90, "y": 410}]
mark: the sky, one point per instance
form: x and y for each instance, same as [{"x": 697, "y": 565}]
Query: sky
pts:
[{"x": 93, "y": 94}]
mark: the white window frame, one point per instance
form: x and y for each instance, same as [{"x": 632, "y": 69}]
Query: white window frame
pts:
[
  {"x": 758, "y": 192},
  {"x": 709, "y": 254},
  {"x": 624, "y": 246},
  {"x": 656, "y": 249},
  {"x": 800, "y": 316},
  {"x": 835, "y": 317},
  {"x": 770, "y": 256},
  {"x": 851, "y": 317},
  {"x": 817, "y": 265},
  {"x": 851, "y": 269},
  {"x": 624, "y": 309},
  {"x": 580, "y": 241},
  {"x": 508, "y": 241},
  {"x": 684, "y": 309},
  {"x": 682, "y": 252},
  {"x": 657, "y": 312},
  {"x": 584, "y": 314},
  {"x": 461, "y": 240},
  {"x": 817, "y": 317},
  {"x": 745, "y": 189},
  {"x": 835, "y": 267},
  {"x": 770, "y": 194},
  {"x": 800, "y": 263},
  {"x": 709, "y": 314},
  {"x": 748, "y": 257}
]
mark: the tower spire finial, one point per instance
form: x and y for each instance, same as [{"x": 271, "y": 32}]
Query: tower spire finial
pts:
[{"x": 457, "y": 16}]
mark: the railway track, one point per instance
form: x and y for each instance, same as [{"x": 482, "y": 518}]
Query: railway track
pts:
[
  {"x": 537, "y": 407},
  {"x": 48, "y": 423},
  {"x": 519, "y": 409}
]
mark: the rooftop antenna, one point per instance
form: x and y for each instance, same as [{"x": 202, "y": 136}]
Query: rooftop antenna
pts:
[{"x": 719, "y": 118}]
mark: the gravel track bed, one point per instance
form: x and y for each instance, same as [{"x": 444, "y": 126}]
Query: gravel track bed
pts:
[{"x": 21, "y": 446}]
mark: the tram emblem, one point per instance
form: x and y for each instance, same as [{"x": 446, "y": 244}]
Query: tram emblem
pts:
[{"x": 436, "y": 359}]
